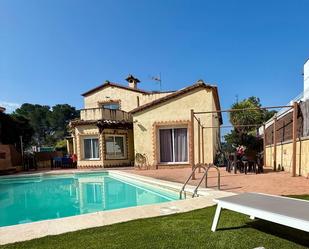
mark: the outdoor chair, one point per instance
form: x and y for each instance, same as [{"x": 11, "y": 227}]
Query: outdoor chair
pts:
[
  {"x": 62, "y": 162},
  {"x": 56, "y": 162},
  {"x": 230, "y": 162},
  {"x": 244, "y": 165},
  {"x": 66, "y": 162},
  {"x": 249, "y": 164},
  {"x": 233, "y": 163}
]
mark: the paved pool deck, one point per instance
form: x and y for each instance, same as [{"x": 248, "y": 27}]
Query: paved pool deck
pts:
[{"x": 270, "y": 182}]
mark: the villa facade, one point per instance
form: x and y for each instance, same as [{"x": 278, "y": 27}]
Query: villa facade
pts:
[{"x": 125, "y": 126}]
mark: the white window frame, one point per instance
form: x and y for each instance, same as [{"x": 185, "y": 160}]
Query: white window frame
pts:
[
  {"x": 173, "y": 143},
  {"x": 124, "y": 136},
  {"x": 91, "y": 146}
]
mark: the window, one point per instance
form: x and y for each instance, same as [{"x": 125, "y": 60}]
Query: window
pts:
[
  {"x": 91, "y": 148},
  {"x": 111, "y": 106},
  {"x": 173, "y": 145},
  {"x": 115, "y": 147}
]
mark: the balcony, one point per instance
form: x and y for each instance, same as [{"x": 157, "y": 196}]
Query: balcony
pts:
[{"x": 105, "y": 114}]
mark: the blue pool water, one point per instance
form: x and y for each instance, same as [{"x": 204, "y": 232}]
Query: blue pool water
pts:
[{"x": 33, "y": 198}]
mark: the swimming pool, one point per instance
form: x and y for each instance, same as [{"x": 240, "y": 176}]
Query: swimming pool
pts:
[{"x": 38, "y": 197}]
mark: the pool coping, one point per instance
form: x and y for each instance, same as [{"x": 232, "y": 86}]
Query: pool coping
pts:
[{"x": 38, "y": 229}]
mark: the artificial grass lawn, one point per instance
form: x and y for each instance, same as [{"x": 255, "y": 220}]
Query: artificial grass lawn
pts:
[{"x": 186, "y": 230}]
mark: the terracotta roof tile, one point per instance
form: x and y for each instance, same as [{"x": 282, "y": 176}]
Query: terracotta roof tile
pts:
[{"x": 77, "y": 122}]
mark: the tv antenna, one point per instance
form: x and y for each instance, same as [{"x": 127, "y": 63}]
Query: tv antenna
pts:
[{"x": 158, "y": 80}]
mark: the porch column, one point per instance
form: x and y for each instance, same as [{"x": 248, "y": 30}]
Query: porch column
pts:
[{"x": 101, "y": 149}]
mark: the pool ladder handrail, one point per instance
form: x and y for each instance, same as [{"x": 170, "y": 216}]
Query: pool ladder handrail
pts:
[
  {"x": 206, "y": 179},
  {"x": 199, "y": 165}
]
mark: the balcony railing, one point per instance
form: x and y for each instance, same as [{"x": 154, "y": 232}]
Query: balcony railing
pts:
[{"x": 105, "y": 114}]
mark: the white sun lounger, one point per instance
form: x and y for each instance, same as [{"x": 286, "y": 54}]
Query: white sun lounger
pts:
[{"x": 282, "y": 210}]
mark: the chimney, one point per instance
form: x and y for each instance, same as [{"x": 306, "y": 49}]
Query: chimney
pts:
[
  {"x": 132, "y": 81},
  {"x": 306, "y": 80}
]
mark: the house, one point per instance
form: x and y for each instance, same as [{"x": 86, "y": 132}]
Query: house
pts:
[
  {"x": 125, "y": 126},
  {"x": 279, "y": 148}
]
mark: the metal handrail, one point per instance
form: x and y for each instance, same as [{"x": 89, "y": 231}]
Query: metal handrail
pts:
[
  {"x": 206, "y": 178},
  {"x": 186, "y": 182}
]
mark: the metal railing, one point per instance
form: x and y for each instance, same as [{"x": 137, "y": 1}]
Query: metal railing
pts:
[
  {"x": 105, "y": 114},
  {"x": 205, "y": 176},
  {"x": 206, "y": 179},
  {"x": 186, "y": 182}
]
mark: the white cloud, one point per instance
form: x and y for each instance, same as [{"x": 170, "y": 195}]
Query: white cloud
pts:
[{"x": 9, "y": 106}]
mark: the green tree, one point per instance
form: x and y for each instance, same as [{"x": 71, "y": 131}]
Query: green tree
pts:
[
  {"x": 247, "y": 135},
  {"x": 37, "y": 116},
  {"x": 59, "y": 119},
  {"x": 11, "y": 128},
  {"x": 49, "y": 125},
  {"x": 61, "y": 145}
]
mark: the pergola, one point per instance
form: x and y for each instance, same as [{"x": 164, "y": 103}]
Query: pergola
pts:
[{"x": 202, "y": 127}]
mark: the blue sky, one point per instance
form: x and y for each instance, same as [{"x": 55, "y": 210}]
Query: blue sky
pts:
[{"x": 53, "y": 50}]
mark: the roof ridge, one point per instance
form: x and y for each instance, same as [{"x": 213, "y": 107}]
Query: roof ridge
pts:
[
  {"x": 108, "y": 83},
  {"x": 179, "y": 93},
  {"x": 115, "y": 85},
  {"x": 167, "y": 97}
]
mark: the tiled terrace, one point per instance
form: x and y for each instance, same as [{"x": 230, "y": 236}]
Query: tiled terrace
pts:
[{"x": 279, "y": 183}]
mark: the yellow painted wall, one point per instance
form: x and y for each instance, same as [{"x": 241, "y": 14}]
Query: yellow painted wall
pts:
[
  {"x": 129, "y": 148},
  {"x": 284, "y": 156},
  {"x": 146, "y": 98},
  {"x": 82, "y": 132},
  {"x": 128, "y": 98},
  {"x": 176, "y": 110},
  {"x": 91, "y": 131},
  {"x": 215, "y": 131}
]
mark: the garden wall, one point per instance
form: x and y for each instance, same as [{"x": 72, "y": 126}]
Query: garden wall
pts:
[
  {"x": 284, "y": 156},
  {"x": 284, "y": 145},
  {"x": 9, "y": 157}
]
